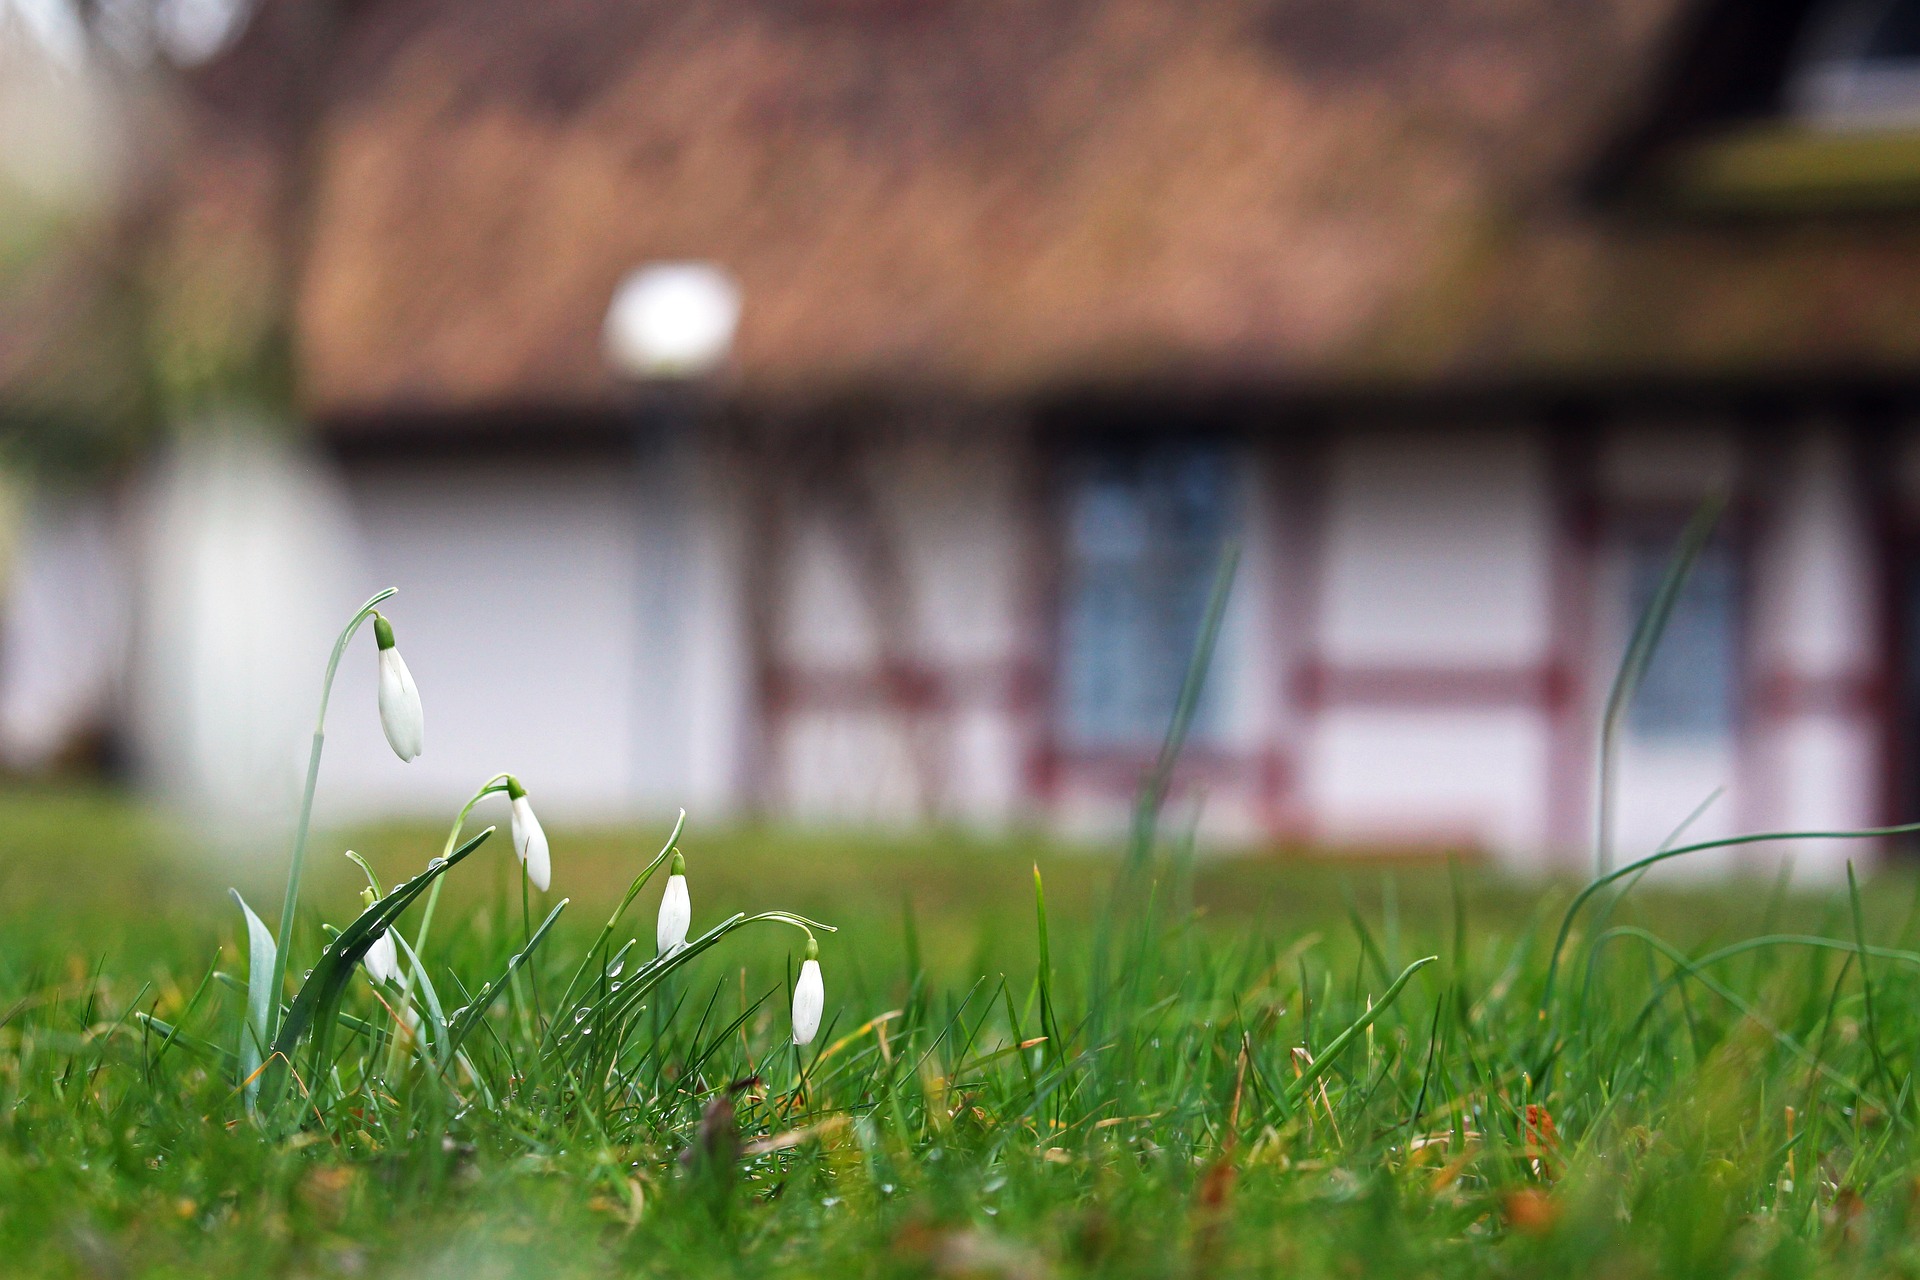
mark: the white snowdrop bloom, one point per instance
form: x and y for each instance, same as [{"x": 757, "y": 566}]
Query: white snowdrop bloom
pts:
[
  {"x": 383, "y": 962},
  {"x": 529, "y": 841},
  {"x": 400, "y": 713},
  {"x": 676, "y": 909},
  {"x": 809, "y": 997}
]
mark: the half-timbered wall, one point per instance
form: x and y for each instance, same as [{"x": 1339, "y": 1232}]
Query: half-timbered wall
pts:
[
  {"x": 903, "y": 651},
  {"x": 1819, "y": 684},
  {"x": 1430, "y": 669},
  {"x": 866, "y": 626}
]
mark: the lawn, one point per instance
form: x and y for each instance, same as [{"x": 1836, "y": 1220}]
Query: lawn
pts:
[{"x": 1187, "y": 1083}]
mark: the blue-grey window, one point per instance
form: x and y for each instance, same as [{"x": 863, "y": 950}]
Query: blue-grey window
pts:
[
  {"x": 1144, "y": 530},
  {"x": 1691, "y": 690},
  {"x": 1858, "y": 65}
]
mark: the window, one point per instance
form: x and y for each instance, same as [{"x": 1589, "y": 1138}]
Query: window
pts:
[
  {"x": 1858, "y": 66},
  {"x": 1691, "y": 688},
  {"x": 1144, "y": 532}
]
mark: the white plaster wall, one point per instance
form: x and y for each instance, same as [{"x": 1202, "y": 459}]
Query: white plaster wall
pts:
[
  {"x": 829, "y": 624},
  {"x": 1249, "y": 670},
  {"x": 988, "y": 751},
  {"x": 243, "y": 569},
  {"x": 1825, "y": 769},
  {"x": 517, "y": 615},
  {"x": 1661, "y": 787},
  {"x": 1817, "y": 623},
  {"x": 1437, "y": 556},
  {"x": 1390, "y": 776},
  {"x": 1816, "y": 612},
  {"x": 64, "y": 635},
  {"x": 693, "y": 712},
  {"x": 850, "y": 766},
  {"x": 1437, "y": 549},
  {"x": 952, "y": 502},
  {"x": 957, "y": 498}
]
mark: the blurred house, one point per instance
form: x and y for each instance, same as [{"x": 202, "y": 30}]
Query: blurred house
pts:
[{"x": 1448, "y": 314}]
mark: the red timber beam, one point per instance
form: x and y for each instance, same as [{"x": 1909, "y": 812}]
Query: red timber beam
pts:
[
  {"x": 907, "y": 688},
  {"x": 1547, "y": 686}
]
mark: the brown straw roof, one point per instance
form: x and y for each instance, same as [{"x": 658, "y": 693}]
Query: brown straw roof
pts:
[{"x": 1007, "y": 196}]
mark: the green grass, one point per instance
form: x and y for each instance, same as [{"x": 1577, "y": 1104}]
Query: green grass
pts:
[{"x": 1756, "y": 1116}]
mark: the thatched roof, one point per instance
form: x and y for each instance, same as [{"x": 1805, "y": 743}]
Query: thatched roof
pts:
[{"x": 1008, "y": 196}]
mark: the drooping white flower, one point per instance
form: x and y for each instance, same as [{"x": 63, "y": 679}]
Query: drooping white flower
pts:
[
  {"x": 676, "y": 909},
  {"x": 529, "y": 841},
  {"x": 383, "y": 962},
  {"x": 809, "y": 997},
  {"x": 400, "y": 713}
]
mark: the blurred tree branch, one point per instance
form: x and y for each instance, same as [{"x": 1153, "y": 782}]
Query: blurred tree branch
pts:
[{"x": 172, "y": 298}]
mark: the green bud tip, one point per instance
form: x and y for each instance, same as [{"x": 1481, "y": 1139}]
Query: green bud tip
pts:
[
  {"x": 813, "y": 948},
  {"x": 382, "y": 631},
  {"x": 366, "y": 895},
  {"x": 514, "y": 790},
  {"x": 678, "y": 867}
]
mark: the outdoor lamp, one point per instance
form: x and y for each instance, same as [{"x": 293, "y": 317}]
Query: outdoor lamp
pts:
[{"x": 672, "y": 320}]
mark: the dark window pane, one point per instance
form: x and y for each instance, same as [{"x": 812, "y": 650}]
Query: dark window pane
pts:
[
  {"x": 1144, "y": 529},
  {"x": 1896, "y": 33},
  {"x": 1691, "y": 688}
]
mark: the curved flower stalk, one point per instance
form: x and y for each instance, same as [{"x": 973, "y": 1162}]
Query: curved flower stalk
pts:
[
  {"x": 291, "y": 900},
  {"x": 809, "y": 996},
  {"x": 498, "y": 783},
  {"x": 596, "y": 957},
  {"x": 382, "y": 961},
  {"x": 494, "y": 785},
  {"x": 401, "y": 717},
  {"x": 601, "y": 1024},
  {"x": 676, "y": 910}
]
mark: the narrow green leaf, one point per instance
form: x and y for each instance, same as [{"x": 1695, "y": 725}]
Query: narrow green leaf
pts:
[
  {"x": 319, "y": 997},
  {"x": 262, "y": 964},
  {"x": 1331, "y": 1053},
  {"x": 169, "y": 1034},
  {"x": 465, "y": 1020}
]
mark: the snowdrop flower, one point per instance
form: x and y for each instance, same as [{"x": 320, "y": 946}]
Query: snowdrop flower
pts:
[
  {"x": 529, "y": 841},
  {"x": 809, "y": 997},
  {"x": 676, "y": 910},
  {"x": 383, "y": 963},
  {"x": 400, "y": 714}
]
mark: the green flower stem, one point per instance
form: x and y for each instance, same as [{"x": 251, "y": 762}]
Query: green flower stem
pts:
[
  {"x": 291, "y": 902},
  {"x": 526, "y": 923},
  {"x": 497, "y": 783}
]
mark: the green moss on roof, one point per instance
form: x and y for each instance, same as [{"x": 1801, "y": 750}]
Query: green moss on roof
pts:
[{"x": 1786, "y": 169}]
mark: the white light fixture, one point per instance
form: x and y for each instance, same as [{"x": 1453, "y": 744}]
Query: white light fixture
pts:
[{"x": 672, "y": 320}]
